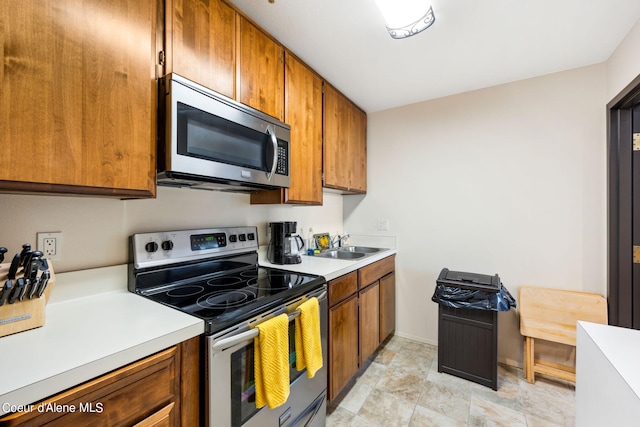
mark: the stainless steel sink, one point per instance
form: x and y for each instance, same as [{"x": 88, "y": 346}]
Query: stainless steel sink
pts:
[
  {"x": 349, "y": 252},
  {"x": 363, "y": 249},
  {"x": 338, "y": 254}
]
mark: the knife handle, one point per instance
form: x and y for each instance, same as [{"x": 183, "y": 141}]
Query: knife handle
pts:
[
  {"x": 43, "y": 284},
  {"x": 24, "y": 289},
  {"x": 35, "y": 284},
  {"x": 17, "y": 291},
  {"x": 8, "y": 287},
  {"x": 26, "y": 248},
  {"x": 13, "y": 269}
]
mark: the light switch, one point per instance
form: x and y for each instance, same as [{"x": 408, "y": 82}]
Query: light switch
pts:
[{"x": 383, "y": 225}]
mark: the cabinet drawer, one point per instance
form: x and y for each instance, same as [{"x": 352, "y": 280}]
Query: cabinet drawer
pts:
[
  {"x": 342, "y": 287},
  {"x": 372, "y": 272},
  {"x": 162, "y": 418},
  {"x": 123, "y": 397}
]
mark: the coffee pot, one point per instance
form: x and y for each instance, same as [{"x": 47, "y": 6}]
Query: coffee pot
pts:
[{"x": 285, "y": 246}]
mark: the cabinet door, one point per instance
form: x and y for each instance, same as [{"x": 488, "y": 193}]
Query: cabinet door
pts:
[
  {"x": 343, "y": 344},
  {"x": 345, "y": 156},
  {"x": 387, "y": 306},
  {"x": 336, "y": 130},
  {"x": 78, "y": 97},
  {"x": 369, "y": 321},
  {"x": 358, "y": 150},
  {"x": 260, "y": 70},
  {"x": 303, "y": 112},
  {"x": 201, "y": 43}
]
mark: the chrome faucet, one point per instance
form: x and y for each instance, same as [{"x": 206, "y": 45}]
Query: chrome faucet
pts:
[{"x": 337, "y": 241}]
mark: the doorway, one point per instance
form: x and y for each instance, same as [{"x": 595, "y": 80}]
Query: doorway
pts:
[{"x": 623, "y": 130}]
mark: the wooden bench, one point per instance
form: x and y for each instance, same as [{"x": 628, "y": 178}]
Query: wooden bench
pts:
[{"x": 551, "y": 315}]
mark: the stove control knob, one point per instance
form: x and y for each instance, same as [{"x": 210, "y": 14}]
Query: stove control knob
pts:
[
  {"x": 242, "y": 237},
  {"x": 251, "y": 236},
  {"x": 233, "y": 238},
  {"x": 167, "y": 245},
  {"x": 151, "y": 247}
]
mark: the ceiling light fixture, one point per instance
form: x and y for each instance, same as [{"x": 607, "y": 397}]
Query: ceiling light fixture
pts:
[{"x": 406, "y": 18}]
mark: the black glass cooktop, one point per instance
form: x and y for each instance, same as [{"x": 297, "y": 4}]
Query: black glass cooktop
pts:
[{"x": 225, "y": 292}]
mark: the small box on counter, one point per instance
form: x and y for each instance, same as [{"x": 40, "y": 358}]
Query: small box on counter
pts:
[{"x": 24, "y": 305}]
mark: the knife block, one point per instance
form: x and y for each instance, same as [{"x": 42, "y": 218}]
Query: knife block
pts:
[{"x": 26, "y": 314}]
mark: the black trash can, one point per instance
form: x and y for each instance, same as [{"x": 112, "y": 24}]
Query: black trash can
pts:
[{"x": 468, "y": 324}]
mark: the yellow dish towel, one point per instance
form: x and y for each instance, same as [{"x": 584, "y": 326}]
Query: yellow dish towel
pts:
[
  {"x": 308, "y": 341},
  {"x": 271, "y": 362}
]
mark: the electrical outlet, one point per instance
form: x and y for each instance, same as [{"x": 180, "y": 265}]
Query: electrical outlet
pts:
[{"x": 50, "y": 244}]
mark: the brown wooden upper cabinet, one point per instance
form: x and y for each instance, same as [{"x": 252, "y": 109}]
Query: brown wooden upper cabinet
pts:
[
  {"x": 78, "y": 101},
  {"x": 213, "y": 44},
  {"x": 260, "y": 70},
  {"x": 303, "y": 112},
  {"x": 78, "y": 97},
  {"x": 201, "y": 43},
  {"x": 345, "y": 145}
]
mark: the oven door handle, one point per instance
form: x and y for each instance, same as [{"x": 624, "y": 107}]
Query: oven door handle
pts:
[
  {"x": 251, "y": 333},
  {"x": 235, "y": 339}
]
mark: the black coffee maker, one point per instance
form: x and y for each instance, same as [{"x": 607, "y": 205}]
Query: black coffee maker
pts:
[{"x": 285, "y": 246}]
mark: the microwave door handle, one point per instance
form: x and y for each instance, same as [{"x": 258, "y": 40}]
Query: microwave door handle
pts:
[{"x": 274, "y": 161}]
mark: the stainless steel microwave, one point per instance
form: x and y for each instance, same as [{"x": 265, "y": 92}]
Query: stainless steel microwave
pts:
[{"x": 208, "y": 141}]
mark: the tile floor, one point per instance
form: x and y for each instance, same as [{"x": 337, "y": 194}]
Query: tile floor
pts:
[{"x": 402, "y": 387}]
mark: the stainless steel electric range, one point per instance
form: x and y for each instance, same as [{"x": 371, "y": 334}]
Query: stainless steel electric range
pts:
[{"x": 214, "y": 274}]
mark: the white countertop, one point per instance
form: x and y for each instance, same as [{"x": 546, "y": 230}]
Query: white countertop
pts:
[
  {"x": 93, "y": 325},
  {"x": 621, "y": 346},
  {"x": 330, "y": 268}
]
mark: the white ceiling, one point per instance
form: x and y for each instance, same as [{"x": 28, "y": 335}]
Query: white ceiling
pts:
[{"x": 472, "y": 44}]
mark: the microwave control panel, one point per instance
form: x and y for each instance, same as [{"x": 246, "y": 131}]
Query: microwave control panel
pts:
[{"x": 283, "y": 156}]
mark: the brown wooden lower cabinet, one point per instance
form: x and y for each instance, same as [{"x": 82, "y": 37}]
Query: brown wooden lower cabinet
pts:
[
  {"x": 387, "y": 306},
  {"x": 361, "y": 316},
  {"x": 343, "y": 346},
  {"x": 150, "y": 392},
  {"x": 369, "y": 320}
]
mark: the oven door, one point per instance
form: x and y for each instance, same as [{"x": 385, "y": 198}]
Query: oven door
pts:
[
  {"x": 230, "y": 383},
  {"x": 211, "y": 136}
]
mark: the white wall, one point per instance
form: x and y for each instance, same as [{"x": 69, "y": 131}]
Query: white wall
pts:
[
  {"x": 624, "y": 63},
  {"x": 508, "y": 180},
  {"x": 95, "y": 230}
]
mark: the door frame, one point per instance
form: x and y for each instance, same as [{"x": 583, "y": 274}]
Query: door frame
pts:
[{"x": 621, "y": 298}]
